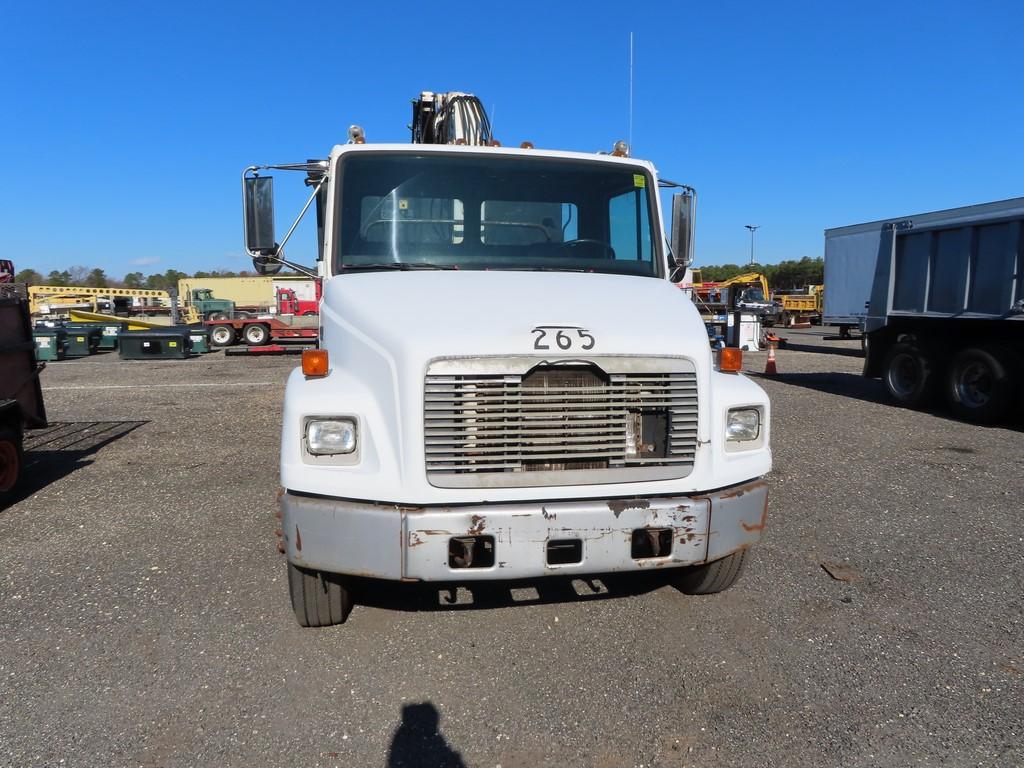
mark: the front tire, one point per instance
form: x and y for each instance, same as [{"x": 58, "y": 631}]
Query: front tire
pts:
[
  {"x": 319, "y": 599},
  {"x": 10, "y": 460},
  {"x": 712, "y": 577},
  {"x": 979, "y": 385},
  {"x": 908, "y": 375}
]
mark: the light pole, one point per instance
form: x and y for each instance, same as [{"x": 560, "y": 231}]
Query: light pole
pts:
[{"x": 752, "y": 228}]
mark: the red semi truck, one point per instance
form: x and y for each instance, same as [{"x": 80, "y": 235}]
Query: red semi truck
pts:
[{"x": 295, "y": 319}]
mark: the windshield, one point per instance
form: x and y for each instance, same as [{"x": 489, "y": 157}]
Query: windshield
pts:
[{"x": 467, "y": 211}]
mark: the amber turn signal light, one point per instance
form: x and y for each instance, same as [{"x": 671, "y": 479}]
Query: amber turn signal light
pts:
[
  {"x": 730, "y": 359},
  {"x": 314, "y": 362}
]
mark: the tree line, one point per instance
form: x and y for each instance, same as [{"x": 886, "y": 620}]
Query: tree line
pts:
[
  {"x": 782, "y": 276},
  {"x": 785, "y": 275},
  {"x": 98, "y": 278}
]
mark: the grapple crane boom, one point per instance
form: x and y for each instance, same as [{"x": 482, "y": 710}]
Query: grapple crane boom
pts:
[{"x": 450, "y": 118}]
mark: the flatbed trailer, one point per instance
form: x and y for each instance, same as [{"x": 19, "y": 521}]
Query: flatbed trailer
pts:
[{"x": 259, "y": 331}]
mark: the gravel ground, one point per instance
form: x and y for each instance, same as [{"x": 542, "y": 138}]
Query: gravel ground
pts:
[{"x": 145, "y": 620}]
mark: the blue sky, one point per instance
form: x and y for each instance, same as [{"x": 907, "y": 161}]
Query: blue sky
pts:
[{"x": 125, "y": 126}]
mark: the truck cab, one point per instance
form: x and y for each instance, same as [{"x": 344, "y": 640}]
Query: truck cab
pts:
[
  {"x": 209, "y": 307},
  {"x": 509, "y": 385}
]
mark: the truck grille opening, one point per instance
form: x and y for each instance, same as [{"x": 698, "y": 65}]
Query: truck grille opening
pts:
[{"x": 558, "y": 419}]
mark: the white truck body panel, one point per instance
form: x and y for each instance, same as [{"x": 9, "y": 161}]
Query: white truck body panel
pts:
[{"x": 382, "y": 329}]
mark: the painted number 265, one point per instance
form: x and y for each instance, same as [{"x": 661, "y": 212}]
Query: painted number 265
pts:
[{"x": 564, "y": 337}]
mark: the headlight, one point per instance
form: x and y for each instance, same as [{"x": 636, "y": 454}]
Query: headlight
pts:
[
  {"x": 743, "y": 424},
  {"x": 330, "y": 436}
]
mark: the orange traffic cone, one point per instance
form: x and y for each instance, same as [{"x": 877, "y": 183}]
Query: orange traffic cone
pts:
[{"x": 769, "y": 367}]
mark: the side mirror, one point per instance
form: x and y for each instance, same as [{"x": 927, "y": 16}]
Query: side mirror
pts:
[
  {"x": 684, "y": 211},
  {"x": 258, "y": 205}
]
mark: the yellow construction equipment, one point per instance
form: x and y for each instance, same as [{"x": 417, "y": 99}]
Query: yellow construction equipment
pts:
[
  {"x": 801, "y": 308},
  {"x": 750, "y": 282},
  {"x": 134, "y": 324},
  {"x": 48, "y": 299}
]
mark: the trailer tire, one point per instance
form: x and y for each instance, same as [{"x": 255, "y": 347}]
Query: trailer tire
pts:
[
  {"x": 980, "y": 384},
  {"x": 10, "y": 460},
  {"x": 222, "y": 336},
  {"x": 256, "y": 335},
  {"x": 908, "y": 375},
  {"x": 319, "y": 599},
  {"x": 712, "y": 577}
]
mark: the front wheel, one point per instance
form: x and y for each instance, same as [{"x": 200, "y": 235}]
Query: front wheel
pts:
[
  {"x": 10, "y": 460},
  {"x": 319, "y": 599},
  {"x": 979, "y": 386},
  {"x": 256, "y": 335},
  {"x": 712, "y": 577}
]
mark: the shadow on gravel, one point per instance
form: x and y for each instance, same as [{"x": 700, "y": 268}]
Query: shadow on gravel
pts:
[
  {"x": 61, "y": 448},
  {"x": 844, "y": 384},
  {"x": 853, "y": 351},
  {"x": 487, "y": 595},
  {"x": 418, "y": 743}
]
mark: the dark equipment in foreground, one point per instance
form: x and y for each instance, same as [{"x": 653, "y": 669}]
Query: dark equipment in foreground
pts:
[
  {"x": 21, "y": 398},
  {"x": 946, "y": 309}
]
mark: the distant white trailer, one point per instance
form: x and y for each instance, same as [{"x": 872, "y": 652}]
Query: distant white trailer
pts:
[{"x": 851, "y": 257}]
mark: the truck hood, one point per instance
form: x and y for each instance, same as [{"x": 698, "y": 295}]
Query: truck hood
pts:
[
  {"x": 383, "y": 331},
  {"x": 412, "y": 317}
]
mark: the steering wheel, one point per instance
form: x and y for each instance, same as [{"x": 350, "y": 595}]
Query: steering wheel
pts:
[{"x": 609, "y": 252}]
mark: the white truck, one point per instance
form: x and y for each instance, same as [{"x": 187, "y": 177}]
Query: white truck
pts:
[{"x": 509, "y": 383}]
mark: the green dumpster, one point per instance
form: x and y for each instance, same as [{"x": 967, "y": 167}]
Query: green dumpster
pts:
[
  {"x": 99, "y": 336},
  {"x": 154, "y": 344},
  {"x": 200, "y": 338},
  {"x": 51, "y": 343},
  {"x": 108, "y": 331},
  {"x": 82, "y": 342}
]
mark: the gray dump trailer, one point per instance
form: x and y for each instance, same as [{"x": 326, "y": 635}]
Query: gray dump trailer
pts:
[{"x": 941, "y": 304}]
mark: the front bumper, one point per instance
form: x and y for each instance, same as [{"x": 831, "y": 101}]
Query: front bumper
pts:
[{"x": 396, "y": 542}]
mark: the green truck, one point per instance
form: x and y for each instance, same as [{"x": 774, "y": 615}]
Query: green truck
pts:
[{"x": 209, "y": 307}]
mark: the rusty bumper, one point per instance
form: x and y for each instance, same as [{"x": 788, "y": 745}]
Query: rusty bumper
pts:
[{"x": 413, "y": 543}]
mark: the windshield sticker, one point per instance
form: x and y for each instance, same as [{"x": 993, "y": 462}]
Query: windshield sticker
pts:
[{"x": 638, "y": 181}]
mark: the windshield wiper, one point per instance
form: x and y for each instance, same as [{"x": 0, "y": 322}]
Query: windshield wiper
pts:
[
  {"x": 399, "y": 265},
  {"x": 546, "y": 269}
]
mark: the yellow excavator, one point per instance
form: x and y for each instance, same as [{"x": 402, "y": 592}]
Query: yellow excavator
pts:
[{"x": 750, "y": 294}]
